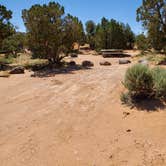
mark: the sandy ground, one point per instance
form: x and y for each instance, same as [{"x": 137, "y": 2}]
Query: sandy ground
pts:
[{"x": 77, "y": 119}]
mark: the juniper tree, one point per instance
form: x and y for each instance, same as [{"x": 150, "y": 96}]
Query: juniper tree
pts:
[
  {"x": 6, "y": 28},
  {"x": 152, "y": 14},
  {"x": 50, "y": 32}
]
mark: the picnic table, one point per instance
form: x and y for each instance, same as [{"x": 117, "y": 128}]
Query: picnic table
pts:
[{"x": 111, "y": 52}]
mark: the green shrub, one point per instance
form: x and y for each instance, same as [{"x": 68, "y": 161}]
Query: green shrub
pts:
[
  {"x": 159, "y": 77},
  {"x": 143, "y": 82},
  {"x": 6, "y": 60},
  {"x": 36, "y": 64},
  {"x": 139, "y": 80},
  {"x": 14, "y": 44},
  {"x": 126, "y": 99},
  {"x": 142, "y": 42}
]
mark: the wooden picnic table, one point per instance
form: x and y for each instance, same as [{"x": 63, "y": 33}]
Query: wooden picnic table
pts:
[{"x": 111, "y": 52}]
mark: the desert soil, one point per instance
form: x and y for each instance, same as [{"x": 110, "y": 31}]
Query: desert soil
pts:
[{"x": 77, "y": 119}]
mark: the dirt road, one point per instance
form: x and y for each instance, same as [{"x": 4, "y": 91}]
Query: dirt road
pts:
[{"x": 76, "y": 119}]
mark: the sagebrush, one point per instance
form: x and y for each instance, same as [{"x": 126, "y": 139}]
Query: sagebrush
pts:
[{"x": 143, "y": 82}]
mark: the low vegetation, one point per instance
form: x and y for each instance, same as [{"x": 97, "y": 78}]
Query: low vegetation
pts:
[
  {"x": 24, "y": 60},
  {"x": 139, "y": 80},
  {"x": 143, "y": 82},
  {"x": 156, "y": 59},
  {"x": 6, "y": 59},
  {"x": 159, "y": 80},
  {"x": 153, "y": 57},
  {"x": 35, "y": 64}
]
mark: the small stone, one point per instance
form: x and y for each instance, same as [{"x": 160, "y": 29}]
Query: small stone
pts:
[
  {"x": 105, "y": 63},
  {"x": 17, "y": 70},
  {"x": 72, "y": 63},
  {"x": 111, "y": 156},
  {"x": 73, "y": 55},
  {"x": 87, "y": 63},
  {"x": 124, "y": 61},
  {"x": 128, "y": 130},
  {"x": 126, "y": 114},
  {"x": 143, "y": 62}
]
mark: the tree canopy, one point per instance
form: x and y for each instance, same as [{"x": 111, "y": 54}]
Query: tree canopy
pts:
[
  {"x": 152, "y": 14},
  {"x": 50, "y": 32},
  {"x": 6, "y": 28},
  {"x": 110, "y": 34},
  {"x": 90, "y": 30},
  {"x": 14, "y": 43},
  {"x": 142, "y": 42}
]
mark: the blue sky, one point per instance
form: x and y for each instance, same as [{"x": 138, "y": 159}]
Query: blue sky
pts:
[{"x": 121, "y": 10}]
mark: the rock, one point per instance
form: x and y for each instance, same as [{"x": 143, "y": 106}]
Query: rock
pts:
[
  {"x": 126, "y": 114},
  {"x": 128, "y": 130},
  {"x": 17, "y": 70},
  {"x": 73, "y": 55},
  {"x": 87, "y": 63},
  {"x": 72, "y": 63},
  {"x": 162, "y": 62},
  {"x": 111, "y": 156},
  {"x": 105, "y": 63},
  {"x": 143, "y": 61},
  {"x": 124, "y": 61}
]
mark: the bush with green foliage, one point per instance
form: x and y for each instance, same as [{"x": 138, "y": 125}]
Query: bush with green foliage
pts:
[
  {"x": 126, "y": 99},
  {"x": 14, "y": 44},
  {"x": 35, "y": 64},
  {"x": 6, "y": 59},
  {"x": 139, "y": 80},
  {"x": 143, "y": 82},
  {"x": 159, "y": 77},
  {"x": 10, "y": 45}
]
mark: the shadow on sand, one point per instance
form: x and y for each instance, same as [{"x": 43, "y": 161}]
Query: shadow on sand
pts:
[
  {"x": 150, "y": 105},
  {"x": 50, "y": 71},
  {"x": 116, "y": 56}
]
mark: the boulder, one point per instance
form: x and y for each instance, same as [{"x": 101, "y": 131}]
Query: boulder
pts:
[
  {"x": 87, "y": 63},
  {"x": 17, "y": 70},
  {"x": 105, "y": 63},
  {"x": 73, "y": 55},
  {"x": 162, "y": 62},
  {"x": 124, "y": 61},
  {"x": 72, "y": 63}
]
